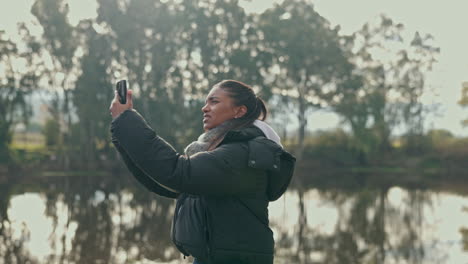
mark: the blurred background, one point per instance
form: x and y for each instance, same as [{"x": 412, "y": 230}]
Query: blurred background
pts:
[{"x": 368, "y": 95}]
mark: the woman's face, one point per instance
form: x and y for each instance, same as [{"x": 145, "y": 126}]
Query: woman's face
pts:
[{"x": 219, "y": 107}]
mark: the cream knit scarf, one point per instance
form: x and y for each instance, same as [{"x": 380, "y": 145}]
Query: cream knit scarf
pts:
[{"x": 211, "y": 138}]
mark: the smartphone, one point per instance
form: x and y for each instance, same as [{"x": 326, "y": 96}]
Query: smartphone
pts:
[{"x": 121, "y": 88}]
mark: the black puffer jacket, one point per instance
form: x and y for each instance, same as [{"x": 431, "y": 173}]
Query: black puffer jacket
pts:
[{"x": 221, "y": 214}]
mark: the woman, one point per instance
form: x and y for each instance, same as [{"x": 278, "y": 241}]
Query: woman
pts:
[{"x": 223, "y": 183}]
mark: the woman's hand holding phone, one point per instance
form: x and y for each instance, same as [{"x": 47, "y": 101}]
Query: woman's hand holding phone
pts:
[{"x": 116, "y": 107}]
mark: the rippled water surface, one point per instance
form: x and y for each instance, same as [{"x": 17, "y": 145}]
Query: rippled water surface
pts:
[{"x": 114, "y": 220}]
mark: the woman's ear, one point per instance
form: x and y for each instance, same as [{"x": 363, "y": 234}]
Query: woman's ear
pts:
[{"x": 241, "y": 111}]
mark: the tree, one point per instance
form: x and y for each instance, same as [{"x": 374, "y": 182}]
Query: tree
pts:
[
  {"x": 386, "y": 84},
  {"x": 464, "y": 100},
  {"x": 92, "y": 94},
  {"x": 464, "y": 233},
  {"x": 147, "y": 39},
  {"x": 51, "y": 132},
  {"x": 308, "y": 58},
  {"x": 15, "y": 85},
  {"x": 173, "y": 51},
  {"x": 59, "y": 39}
]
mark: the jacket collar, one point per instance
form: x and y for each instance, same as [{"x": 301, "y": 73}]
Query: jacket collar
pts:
[{"x": 243, "y": 134}]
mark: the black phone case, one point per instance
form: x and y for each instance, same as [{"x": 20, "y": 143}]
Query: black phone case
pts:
[{"x": 121, "y": 88}]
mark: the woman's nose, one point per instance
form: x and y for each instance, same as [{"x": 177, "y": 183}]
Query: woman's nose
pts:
[{"x": 205, "y": 108}]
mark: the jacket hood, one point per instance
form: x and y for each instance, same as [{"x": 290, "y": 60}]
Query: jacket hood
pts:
[
  {"x": 268, "y": 131},
  {"x": 267, "y": 154},
  {"x": 258, "y": 128},
  {"x": 279, "y": 164}
]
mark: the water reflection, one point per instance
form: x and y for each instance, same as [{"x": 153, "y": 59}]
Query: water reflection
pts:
[{"x": 113, "y": 220}]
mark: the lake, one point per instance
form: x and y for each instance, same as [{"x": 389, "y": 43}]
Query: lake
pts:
[{"x": 113, "y": 219}]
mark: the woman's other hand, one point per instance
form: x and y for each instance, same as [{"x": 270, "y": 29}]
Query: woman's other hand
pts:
[{"x": 116, "y": 108}]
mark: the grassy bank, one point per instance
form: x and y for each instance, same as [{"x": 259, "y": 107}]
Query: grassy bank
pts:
[{"x": 439, "y": 154}]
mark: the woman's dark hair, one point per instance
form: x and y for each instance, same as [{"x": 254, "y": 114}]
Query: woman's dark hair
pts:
[{"x": 243, "y": 94}]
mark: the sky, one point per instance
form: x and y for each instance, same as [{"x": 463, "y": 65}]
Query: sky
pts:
[{"x": 445, "y": 20}]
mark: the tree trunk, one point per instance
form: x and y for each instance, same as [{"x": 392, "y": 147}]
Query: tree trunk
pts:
[{"x": 301, "y": 236}]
